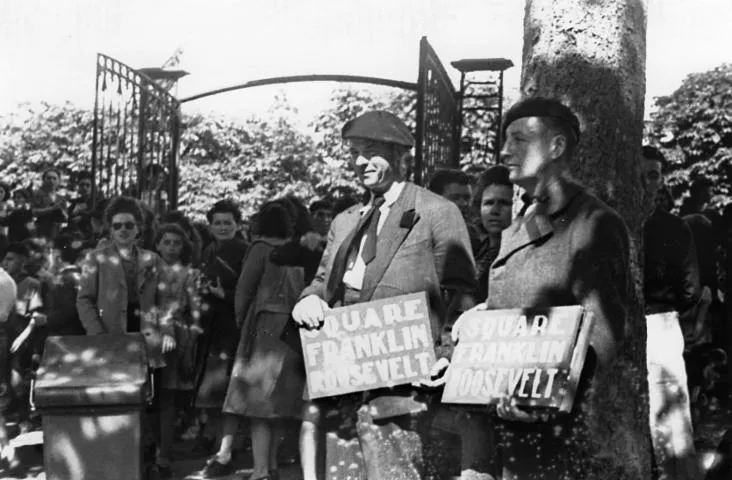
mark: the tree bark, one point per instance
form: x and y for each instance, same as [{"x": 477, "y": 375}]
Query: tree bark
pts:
[{"x": 591, "y": 55}]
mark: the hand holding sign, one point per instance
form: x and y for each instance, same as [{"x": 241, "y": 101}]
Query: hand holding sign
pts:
[
  {"x": 507, "y": 409},
  {"x": 461, "y": 320},
  {"x": 382, "y": 343},
  {"x": 310, "y": 312},
  {"x": 533, "y": 358},
  {"x": 437, "y": 375}
]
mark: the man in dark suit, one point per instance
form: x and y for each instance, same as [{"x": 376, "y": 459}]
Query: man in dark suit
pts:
[{"x": 404, "y": 240}]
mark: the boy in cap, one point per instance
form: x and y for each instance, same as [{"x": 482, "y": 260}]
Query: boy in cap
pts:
[{"x": 405, "y": 239}]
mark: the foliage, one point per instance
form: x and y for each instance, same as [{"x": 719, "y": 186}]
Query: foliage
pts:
[
  {"x": 345, "y": 104},
  {"x": 249, "y": 161},
  {"x": 693, "y": 127},
  {"x": 34, "y": 138}
]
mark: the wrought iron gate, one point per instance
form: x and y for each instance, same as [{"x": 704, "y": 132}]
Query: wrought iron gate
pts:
[
  {"x": 136, "y": 134},
  {"x": 438, "y": 117}
]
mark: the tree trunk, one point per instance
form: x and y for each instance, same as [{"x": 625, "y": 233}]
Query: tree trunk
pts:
[{"x": 591, "y": 55}]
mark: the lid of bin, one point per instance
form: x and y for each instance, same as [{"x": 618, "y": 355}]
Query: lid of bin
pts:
[{"x": 92, "y": 371}]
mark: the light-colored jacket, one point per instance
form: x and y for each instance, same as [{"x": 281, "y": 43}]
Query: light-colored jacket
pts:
[{"x": 102, "y": 300}]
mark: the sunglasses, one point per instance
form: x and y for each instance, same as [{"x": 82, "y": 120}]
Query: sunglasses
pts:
[{"x": 127, "y": 225}]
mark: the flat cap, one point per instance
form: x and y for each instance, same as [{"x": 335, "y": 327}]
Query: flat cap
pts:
[
  {"x": 542, "y": 107},
  {"x": 378, "y": 125}
]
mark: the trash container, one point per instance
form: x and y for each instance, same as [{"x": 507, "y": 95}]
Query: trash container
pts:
[{"x": 91, "y": 392}]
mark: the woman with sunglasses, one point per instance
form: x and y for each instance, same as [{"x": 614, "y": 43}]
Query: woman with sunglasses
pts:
[{"x": 121, "y": 288}]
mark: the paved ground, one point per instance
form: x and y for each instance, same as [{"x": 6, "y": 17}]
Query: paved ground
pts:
[{"x": 187, "y": 466}]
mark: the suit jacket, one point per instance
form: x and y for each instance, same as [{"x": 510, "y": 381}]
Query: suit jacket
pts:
[
  {"x": 577, "y": 254},
  {"x": 8, "y": 294},
  {"x": 423, "y": 245},
  {"x": 102, "y": 300}
]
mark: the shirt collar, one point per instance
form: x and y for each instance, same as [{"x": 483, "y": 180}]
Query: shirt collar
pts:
[
  {"x": 390, "y": 196},
  {"x": 563, "y": 192}
]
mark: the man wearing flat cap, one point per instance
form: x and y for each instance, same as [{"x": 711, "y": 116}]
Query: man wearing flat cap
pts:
[
  {"x": 569, "y": 248},
  {"x": 405, "y": 239}
]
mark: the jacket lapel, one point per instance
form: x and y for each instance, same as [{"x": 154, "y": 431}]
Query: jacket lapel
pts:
[
  {"x": 390, "y": 238},
  {"x": 350, "y": 222},
  {"x": 537, "y": 224},
  {"x": 111, "y": 256},
  {"x": 144, "y": 266},
  {"x": 527, "y": 230}
]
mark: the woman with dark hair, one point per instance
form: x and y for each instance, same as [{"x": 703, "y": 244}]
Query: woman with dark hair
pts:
[
  {"x": 177, "y": 217},
  {"x": 492, "y": 203},
  {"x": 122, "y": 289},
  {"x": 306, "y": 247},
  {"x": 178, "y": 375},
  {"x": 220, "y": 266},
  {"x": 108, "y": 305},
  {"x": 267, "y": 378}
]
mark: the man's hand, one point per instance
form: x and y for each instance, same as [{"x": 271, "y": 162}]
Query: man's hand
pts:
[
  {"x": 310, "y": 312},
  {"x": 455, "y": 334},
  {"x": 437, "y": 375},
  {"x": 508, "y": 410},
  {"x": 168, "y": 343}
]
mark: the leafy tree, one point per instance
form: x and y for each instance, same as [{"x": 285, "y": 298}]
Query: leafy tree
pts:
[
  {"x": 251, "y": 162},
  {"x": 336, "y": 176},
  {"x": 693, "y": 127},
  {"x": 34, "y": 138}
]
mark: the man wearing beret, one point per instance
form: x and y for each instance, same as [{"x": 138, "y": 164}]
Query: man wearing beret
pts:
[
  {"x": 405, "y": 239},
  {"x": 569, "y": 248}
]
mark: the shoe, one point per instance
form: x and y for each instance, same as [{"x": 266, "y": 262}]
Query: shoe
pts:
[
  {"x": 162, "y": 471},
  {"x": 214, "y": 468},
  {"x": 274, "y": 474},
  {"x": 204, "y": 445}
]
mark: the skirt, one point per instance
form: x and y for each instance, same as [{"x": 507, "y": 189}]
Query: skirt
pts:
[
  {"x": 268, "y": 377},
  {"x": 215, "y": 358}
]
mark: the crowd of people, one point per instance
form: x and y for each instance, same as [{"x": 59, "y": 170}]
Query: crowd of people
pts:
[{"x": 219, "y": 306}]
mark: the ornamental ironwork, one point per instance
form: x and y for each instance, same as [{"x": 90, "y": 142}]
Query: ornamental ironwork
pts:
[
  {"x": 438, "y": 117},
  {"x": 136, "y": 135}
]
